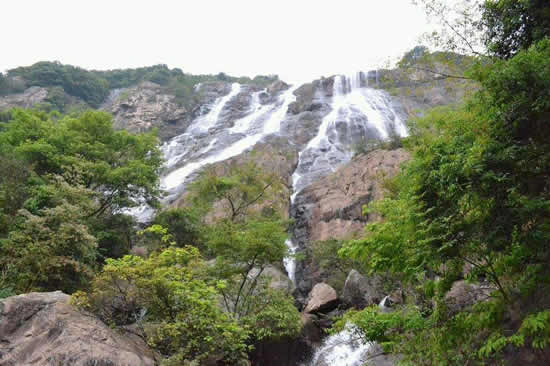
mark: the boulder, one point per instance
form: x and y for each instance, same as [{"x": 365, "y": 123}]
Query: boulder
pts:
[
  {"x": 278, "y": 279},
  {"x": 360, "y": 291},
  {"x": 322, "y": 298},
  {"x": 463, "y": 295},
  {"x": 44, "y": 329}
]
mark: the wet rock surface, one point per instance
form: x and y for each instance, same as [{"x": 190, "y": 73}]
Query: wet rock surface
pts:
[{"x": 44, "y": 329}]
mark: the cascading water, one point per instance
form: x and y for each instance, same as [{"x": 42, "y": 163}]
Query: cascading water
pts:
[
  {"x": 213, "y": 116},
  {"x": 271, "y": 124},
  {"x": 358, "y": 114},
  {"x": 199, "y": 145},
  {"x": 346, "y": 348}
]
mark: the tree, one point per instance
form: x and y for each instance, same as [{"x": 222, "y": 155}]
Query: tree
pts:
[
  {"x": 243, "y": 190},
  {"x": 247, "y": 236},
  {"x": 511, "y": 25},
  {"x": 64, "y": 186},
  {"x": 474, "y": 195},
  {"x": 458, "y": 25},
  {"x": 52, "y": 249},
  {"x": 87, "y": 150},
  {"x": 183, "y": 223},
  {"x": 169, "y": 296}
]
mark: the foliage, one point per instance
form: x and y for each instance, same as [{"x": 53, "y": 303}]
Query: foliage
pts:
[
  {"x": 278, "y": 317},
  {"x": 244, "y": 189},
  {"x": 10, "y": 85},
  {"x": 52, "y": 249},
  {"x": 183, "y": 223},
  {"x": 74, "y": 80},
  {"x": 243, "y": 251},
  {"x": 334, "y": 267},
  {"x": 64, "y": 186},
  {"x": 93, "y": 87},
  {"x": 511, "y": 25},
  {"x": 247, "y": 236},
  {"x": 457, "y": 25},
  {"x": 86, "y": 150},
  {"x": 475, "y": 194},
  {"x": 169, "y": 295}
]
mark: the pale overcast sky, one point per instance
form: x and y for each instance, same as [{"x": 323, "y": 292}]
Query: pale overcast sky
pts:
[{"x": 299, "y": 40}]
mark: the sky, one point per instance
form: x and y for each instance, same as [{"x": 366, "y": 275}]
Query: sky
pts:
[{"x": 300, "y": 40}]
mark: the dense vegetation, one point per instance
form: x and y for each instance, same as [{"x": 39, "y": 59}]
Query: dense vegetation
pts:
[
  {"x": 472, "y": 204},
  {"x": 66, "y": 184}
]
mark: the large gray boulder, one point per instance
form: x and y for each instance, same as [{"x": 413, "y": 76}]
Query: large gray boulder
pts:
[
  {"x": 44, "y": 329},
  {"x": 322, "y": 298},
  {"x": 463, "y": 295},
  {"x": 361, "y": 291}
]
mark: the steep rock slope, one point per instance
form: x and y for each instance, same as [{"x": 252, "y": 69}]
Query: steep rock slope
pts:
[
  {"x": 331, "y": 208},
  {"x": 146, "y": 106}
]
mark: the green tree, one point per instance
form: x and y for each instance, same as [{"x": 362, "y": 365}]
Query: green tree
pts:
[
  {"x": 169, "y": 296},
  {"x": 52, "y": 249},
  {"x": 183, "y": 223},
  {"x": 246, "y": 236},
  {"x": 475, "y": 194},
  {"x": 511, "y": 25},
  {"x": 87, "y": 150}
]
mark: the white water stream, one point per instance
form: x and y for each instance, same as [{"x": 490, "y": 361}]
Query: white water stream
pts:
[
  {"x": 357, "y": 113},
  {"x": 345, "y": 348},
  {"x": 272, "y": 125},
  {"x": 199, "y": 146}
]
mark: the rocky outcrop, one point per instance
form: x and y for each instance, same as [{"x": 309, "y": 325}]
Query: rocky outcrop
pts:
[
  {"x": 463, "y": 295},
  {"x": 360, "y": 291},
  {"x": 28, "y": 99},
  {"x": 332, "y": 206},
  {"x": 146, "y": 106},
  {"x": 44, "y": 329},
  {"x": 322, "y": 298},
  {"x": 277, "y": 279}
]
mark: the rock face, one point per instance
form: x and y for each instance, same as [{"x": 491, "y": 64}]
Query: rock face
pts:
[
  {"x": 141, "y": 108},
  {"x": 322, "y": 298},
  {"x": 43, "y": 329},
  {"x": 29, "y": 98},
  {"x": 332, "y": 206},
  {"x": 360, "y": 291}
]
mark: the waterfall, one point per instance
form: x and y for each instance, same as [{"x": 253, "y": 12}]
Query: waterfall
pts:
[
  {"x": 346, "y": 348},
  {"x": 255, "y": 111},
  {"x": 271, "y": 125},
  {"x": 213, "y": 116},
  {"x": 199, "y": 146},
  {"x": 358, "y": 114}
]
